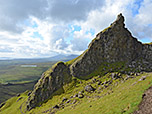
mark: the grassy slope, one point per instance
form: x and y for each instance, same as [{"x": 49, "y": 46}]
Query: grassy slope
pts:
[
  {"x": 7, "y": 91},
  {"x": 15, "y": 108},
  {"x": 21, "y": 78},
  {"x": 124, "y": 99},
  {"x": 120, "y": 97}
]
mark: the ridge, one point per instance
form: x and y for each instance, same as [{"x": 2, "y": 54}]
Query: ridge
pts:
[{"x": 114, "y": 45}]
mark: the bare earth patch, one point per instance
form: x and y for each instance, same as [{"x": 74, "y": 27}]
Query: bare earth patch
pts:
[{"x": 145, "y": 107}]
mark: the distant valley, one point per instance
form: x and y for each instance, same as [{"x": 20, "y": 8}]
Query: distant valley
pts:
[{"x": 19, "y": 75}]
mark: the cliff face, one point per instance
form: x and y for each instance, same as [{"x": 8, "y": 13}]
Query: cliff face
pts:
[
  {"x": 50, "y": 81},
  {"x": 114, "y": 44}
]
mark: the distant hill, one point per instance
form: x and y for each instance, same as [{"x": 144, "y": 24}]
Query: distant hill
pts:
[{"x": 12, "y": 61}]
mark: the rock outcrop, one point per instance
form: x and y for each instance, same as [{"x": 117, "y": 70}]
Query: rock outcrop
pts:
[
  {"x": 51, "y": 81},
  {"x": 114, "y": 44}
]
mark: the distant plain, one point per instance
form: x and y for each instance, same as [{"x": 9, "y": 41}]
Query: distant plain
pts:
[{"x": 14, "y": 78}]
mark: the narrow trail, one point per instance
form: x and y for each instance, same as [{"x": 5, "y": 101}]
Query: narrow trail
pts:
[{"x": 145, "y": 107}]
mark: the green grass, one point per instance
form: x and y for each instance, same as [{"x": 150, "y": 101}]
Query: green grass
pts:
[
  {"x": 105, "y": 68},
  {"x": 123, "y": 97},
  {"x": 16, "y": 79},
  {"x": 16, "y": 73},
  {"x": 75, "y": 59},
  {"x": 13, "y": 105}
]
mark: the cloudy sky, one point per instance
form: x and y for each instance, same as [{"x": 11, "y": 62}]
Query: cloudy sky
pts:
[{"x": 43, "y": 28}]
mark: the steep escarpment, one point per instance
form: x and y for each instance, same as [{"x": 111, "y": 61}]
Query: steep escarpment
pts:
[
  {"x": 113, "y": 45},
  {"x": 51, "y": 81}
]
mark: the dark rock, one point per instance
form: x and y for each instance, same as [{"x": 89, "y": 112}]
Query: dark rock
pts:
[
  {"x": 19, "y": 99},
  {"x": 74, "y": 101},
  {"x": 64, "y": 99},
  {"x": 82, "y": 91},
  {"x": 68, "y": 101},
  {"x": 61, "y": 105},
  {"x": 80, "y": 95},
  {"x": 29, "y": 93},
  {"x": 56, "y": 107},
  {"x": 102, "y": 84},
  {"x": 115, "y": 76},
  {"x": 18, "y": 95},
  {"x": 2, "y": 104},
  {"x": 99, "y": 83},
  {"x": 89, "y": 88},
  {"x": 76, "y": 95},
  {"x": 143, "y": 95},
  {"x": 94, "y": 80},
  {"x": 106, "y": 82},
  {"x": 71, "y": 96},
  {"x": 137, "y": 74},
  {"x": 105, "y": 86}
]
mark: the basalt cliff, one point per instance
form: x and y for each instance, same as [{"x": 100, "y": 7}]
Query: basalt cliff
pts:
[{"x": 114, "y": 45}]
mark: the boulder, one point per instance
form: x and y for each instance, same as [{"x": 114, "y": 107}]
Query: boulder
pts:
[
  {"x": 142, "y": 78},
  {"x": 89, "y": 88},
  {"x": 56, "y": 107}
]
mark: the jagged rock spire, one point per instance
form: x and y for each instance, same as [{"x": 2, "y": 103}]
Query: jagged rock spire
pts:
[
  {"x": 119, "y": 21},
  {"x": 120, "y": 18}
]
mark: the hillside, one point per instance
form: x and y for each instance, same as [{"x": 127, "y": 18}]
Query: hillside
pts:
[
  {"x": 17, "y": 77},
  {"x": 109, "y": 77}
]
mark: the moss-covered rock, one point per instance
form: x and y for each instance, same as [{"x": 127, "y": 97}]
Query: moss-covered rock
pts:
[
  {"x": 114, "y": 44},
  {"x": 51, "y": 81}
]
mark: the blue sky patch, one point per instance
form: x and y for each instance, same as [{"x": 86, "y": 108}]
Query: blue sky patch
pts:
[
  {"x": 37, "y": 35},
  {"x": 76, "y": 28},
  {"x": 135, "y": 10},
  {"x": 34, "y": 25},
  {"x": 29, "y": 24},
  {"x": 144, "y": 40},
  {"x": 92, "y": 31}
]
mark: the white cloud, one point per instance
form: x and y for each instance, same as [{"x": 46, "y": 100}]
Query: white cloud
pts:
[
  {"x": 14, "y": 12},
  {"x": 54, "y": 21}
]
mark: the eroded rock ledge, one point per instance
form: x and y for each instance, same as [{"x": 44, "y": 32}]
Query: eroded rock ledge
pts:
[{"x": 50, "y": 81}]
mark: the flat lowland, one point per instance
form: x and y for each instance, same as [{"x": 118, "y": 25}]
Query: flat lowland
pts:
[{"x": 14, "y": 78}]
